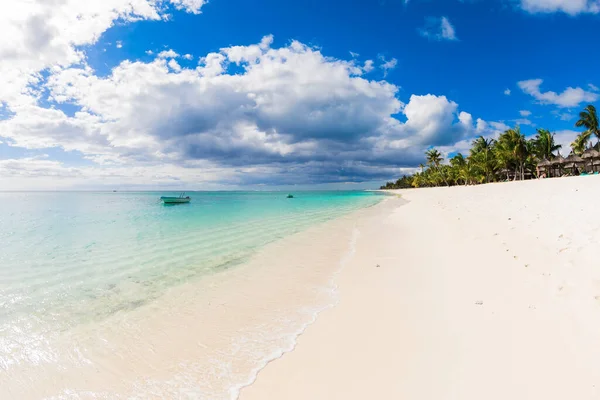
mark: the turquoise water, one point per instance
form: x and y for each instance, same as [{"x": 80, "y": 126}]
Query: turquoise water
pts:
[{"x": 72, "y": 258}]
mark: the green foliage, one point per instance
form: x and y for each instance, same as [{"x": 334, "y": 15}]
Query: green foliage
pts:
[
  {"x": 544, "y": 145},
  {"x": 403, "y": 183},
  {"x": 588, "y": 119},
  {"x": 581, "y": 142},
  {"x": 510, "y": 157}
]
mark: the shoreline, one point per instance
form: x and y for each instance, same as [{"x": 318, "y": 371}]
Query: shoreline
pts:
[
  {"x": 207, "y": 338},
  {"x": 487, "y": 291}
]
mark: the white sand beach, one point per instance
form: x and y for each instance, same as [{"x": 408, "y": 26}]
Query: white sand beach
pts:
[{"x": 483, "y": 292}]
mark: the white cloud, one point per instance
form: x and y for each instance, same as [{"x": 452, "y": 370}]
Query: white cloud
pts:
[
  {"x": 563, "y": 116},
  {"x": 565, "y": 138},
  {"x": 593, "y": 87},
  {"x": 187, "y": 56},
  {"x": 174, "y": 65},
  {"x": 570, "y": 97},
  {"x": 523, "y": 121},
  {"x": 287, "y": 114},
  {"x": 438, "y": 29},
  {"x": 119, "y": 44},
  {"x": 291, "y": 105},
  {"x": 499, "y": 127},
  {"x": 387, "y": 65},
  {"x": 168, "y": 54},
  {"x": 51, "y": 34},
  {"x": 571, "y": 7},
  {"x": 507, "y": 92},
  {"x": 368, "y": 67},
  {"x": 191, "y": 6},
  {"x": 149, "y": 52},
  {"x": 435, "y": 120},
  {"x": 525, "y": 113}
]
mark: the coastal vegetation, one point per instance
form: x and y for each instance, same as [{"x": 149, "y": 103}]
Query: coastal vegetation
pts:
[{"x": 510, "y": 156}]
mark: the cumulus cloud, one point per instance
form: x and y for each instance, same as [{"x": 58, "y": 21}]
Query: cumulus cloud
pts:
[
  {"x": 51, "y": 34},
  {"x": 570, "y": 97},
  {"x": 434, "y": 120},
  {"x": 245, "y": 115},
  {"x": 507, "y": 92},
  {"x": 438, "y": 29},
  {"x": 571, "y": 7},
  {"x": 168, "y": 54}
]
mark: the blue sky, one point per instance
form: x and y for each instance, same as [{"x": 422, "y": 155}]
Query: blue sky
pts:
[{"x": 271, "y": 93}]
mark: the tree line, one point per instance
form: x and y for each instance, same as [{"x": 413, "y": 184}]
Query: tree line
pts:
[{"x": 509, "y": 157}]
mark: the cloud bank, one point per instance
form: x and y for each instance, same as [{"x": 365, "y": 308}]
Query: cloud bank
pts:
[{"x": 245, "y": 115}]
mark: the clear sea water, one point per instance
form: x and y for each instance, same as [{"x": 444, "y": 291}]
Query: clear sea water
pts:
[{"x": 72, "y": 258}]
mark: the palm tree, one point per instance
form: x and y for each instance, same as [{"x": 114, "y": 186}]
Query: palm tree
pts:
[
  {"x": 457, "y": 164},
  {"x": 588, "y": 119},
  {"x": 482, "y": 155},
  {"x": 434, "y": 158},
  {"x": 511, "y": 151},
  {"x": 468, "y": 174},
  {"x": 544, "y": 145},
  {"x": 580, "y": 144},
  {"x": 482, "y": 144}
]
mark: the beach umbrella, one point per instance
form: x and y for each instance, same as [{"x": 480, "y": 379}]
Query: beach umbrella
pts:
[
  {"x": 557, "y": 162},
  {"x": 591, "y": 153},
  {"x": 573, "y": 160},
  {"x": 544, "y": 163}
]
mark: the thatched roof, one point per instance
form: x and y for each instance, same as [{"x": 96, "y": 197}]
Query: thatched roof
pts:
[
  {"x": 574, "y": 159},
  {"x": 558, "y": 160},
  {"x": 591, "y": 153},
  {"x": 544, "y": 163}
]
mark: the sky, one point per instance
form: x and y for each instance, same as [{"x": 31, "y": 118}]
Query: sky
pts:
[{"x": 324, "y": 94}]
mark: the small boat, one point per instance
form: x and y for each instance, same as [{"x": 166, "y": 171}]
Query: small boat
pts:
[
  {"x": 290, "y": 196},
  {"x": 176, "y": 200}
]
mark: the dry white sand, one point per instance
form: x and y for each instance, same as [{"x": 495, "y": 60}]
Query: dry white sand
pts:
[{"x": 487, "y": 292}]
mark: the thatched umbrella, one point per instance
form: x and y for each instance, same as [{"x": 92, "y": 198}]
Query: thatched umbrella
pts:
[
  {"x": 572, "y": 161},
  {"x": 591, "y": 155},
  {"x": 557, "y": 162},
  {"x": 543, "y": 166}
]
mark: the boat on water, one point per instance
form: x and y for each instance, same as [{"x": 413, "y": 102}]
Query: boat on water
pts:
[
  {"x": 290, "y": 196},
  {"x": 176, "y": 200}
]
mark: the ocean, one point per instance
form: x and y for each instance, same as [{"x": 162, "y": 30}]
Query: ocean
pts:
[{"x": 74, "y": 264}]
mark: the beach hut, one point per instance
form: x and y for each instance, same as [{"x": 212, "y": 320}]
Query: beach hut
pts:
[
  {"x": 572, "y": 161},
  {"x": 543, "y": 166},
  {"x": 592, "y": 158},
  {"x": 557, "y": 163}
]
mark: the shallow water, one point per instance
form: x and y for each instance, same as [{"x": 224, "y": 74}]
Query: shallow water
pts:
[{"x": 70, "y": 262}]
